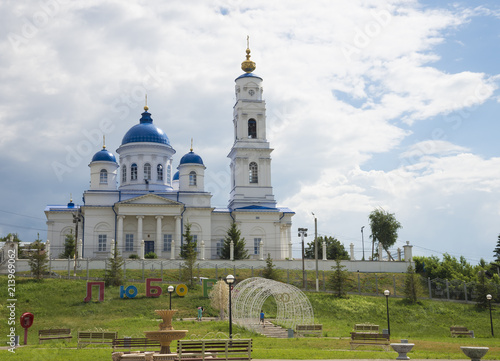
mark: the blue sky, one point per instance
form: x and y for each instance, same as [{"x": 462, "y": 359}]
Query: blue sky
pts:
[{"x": 381, "y": 103}]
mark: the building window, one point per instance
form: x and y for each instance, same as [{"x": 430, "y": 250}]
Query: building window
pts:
[
  {"x": 147, "y": 171},
  {"x": 169, "y": 174},
  {"x": 124, "y": 174},
  {"x": 219, "y": 246},
  {"x": 159, "y": 172},
  {"x": 103, "y": 179},
  {"x": 252, "y": 128},
  {"x": 129, "y": 242},
  {"x": 195, "y": 240},
  {"x": 101, "y": 245},
  {"x": 192, "y": 178},
  {"x": 167, "y": 242},
  {"x": 253, "y": 174},
  {"x": 133, "y": 171},
  {"x": 256, "y": 245}
]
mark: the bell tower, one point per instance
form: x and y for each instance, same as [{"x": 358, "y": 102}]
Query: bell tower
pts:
[{"x": 251, "y": 154}]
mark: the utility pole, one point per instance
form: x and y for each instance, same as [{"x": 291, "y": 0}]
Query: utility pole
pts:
[
  {"x": 363, "y": 242},
  {"x": 316, "y": 249},
  {"x": 302, "y": 234},
  {"x": 77, "y": 217}
]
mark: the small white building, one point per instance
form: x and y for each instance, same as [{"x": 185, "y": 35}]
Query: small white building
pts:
[{"x": 138, "y": 198}]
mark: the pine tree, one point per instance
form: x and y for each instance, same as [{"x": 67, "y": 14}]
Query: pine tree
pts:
[
  {"x": 188, "y": 253},
  {"x": 240, "y": 251},
  {"x": 412, "y": 285},
  {"x": 69, "y": 246},
  {"x": 113, "y": 275},
  {"x": 496, "y": 254},
  {"x": 340, "y": 280},
  {"x": 483, "y": 287},
  {"x": 270, "y": 271},
  {"x": 37, "y": 259}
]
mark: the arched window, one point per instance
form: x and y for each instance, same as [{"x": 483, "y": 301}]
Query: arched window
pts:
[
  {"x": 192, "y": 178},
  {"x": 124, "y": 174},
  {"x": 169, "y": 174},
  {"x": 252, "y": 128},
  {"x": 133, "y": 171},
  {"x": 103, "y": 179},
  {"x": 147, "y": 171},
  {"x": 253, "y": 173},
  {"x": 159, "y": 172}
]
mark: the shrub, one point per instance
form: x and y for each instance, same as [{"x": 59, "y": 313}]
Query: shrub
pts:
[
  {"x": 133, "y": 256},
  {"x": 150, "y": 255}
]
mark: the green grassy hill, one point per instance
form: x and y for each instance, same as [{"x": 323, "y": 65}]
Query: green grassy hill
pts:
[{"x": 58, "y": 303}]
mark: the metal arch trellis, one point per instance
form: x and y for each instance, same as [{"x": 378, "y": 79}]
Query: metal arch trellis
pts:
[{"x": 249, "y": 296}]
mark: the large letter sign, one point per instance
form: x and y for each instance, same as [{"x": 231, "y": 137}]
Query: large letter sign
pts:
[
  {"x": 157, "y": 289},
  {"x": 89, "y": 291}
]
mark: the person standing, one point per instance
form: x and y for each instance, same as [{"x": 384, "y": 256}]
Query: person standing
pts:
[
  {"x": 200, "y": 313},
  {"x": 262, "y": 317}
]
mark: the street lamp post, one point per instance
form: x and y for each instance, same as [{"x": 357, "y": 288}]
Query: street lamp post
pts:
[
  {"x": 387, "y": 293},
  {"x": 316, "y": 249},
  {"x": 302, "y": 234},
  {"x": 488, "y": 297},
  {"x": 230, "y": 281},
  {"x": 170, "y": 289}
]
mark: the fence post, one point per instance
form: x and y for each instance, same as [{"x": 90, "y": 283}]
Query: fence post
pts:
[
  {"x": 161, "y": 267},
  {"x": 217, "y": 273},
  {"x": 394, "y": 284},
  {"x": 376, "y": 283},
  {"x": 125, "y": 269},
  {"x": 143, "y": 270},
  {"x": 305, "y": 283},
  {"x": 430, "y": 287},
  {"x": 465, "y": 291},
  {"x": 198, "y": 272},
  {"x": 180, "y": 272},
  {"x": 252, "y": 271},
  {"x": 324, "y": 282},
  {"x": 69, "y": 266},
  {"x": 447, "y": 290},
  {"x": 234, "y": 270},
  {"x": 359, "y": 284},
  {"x": 88, "y": 272}
]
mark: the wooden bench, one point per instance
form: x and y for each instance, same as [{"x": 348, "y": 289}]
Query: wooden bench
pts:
[
  {"x": 375, "y": 339},
  {"x": 138, "y": 344},
  {"x": 457, "y": 331},
  {"x": 316, "y": 330},
  {"x": 195, "y": 350},
  {"x": 54, "y": 334},
  {"x": 95, "y": 338},
  {"x": 365, "y": 328}
]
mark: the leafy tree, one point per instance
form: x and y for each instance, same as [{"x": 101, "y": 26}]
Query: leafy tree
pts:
[
  {"x": 483, "y": 287},
  {"x": 37, "y": 259},
  {"x": 113, "y": 275},
  {"x": 412, "y": 285},
  {"x": 270, "y": 271},
  {"x": 15, "y": 237},
  {"x": 69, "y": 246},
  {"x": 340, "y": 280},
  {"x": 449, "y": 268},
  {"x": 219, "y": 297},
  {"x": 234, "y": 234},
  {"x": 334, "y": 249},
  {"x": 188, "y": 253},
  {"x": 384, "y": 227}
]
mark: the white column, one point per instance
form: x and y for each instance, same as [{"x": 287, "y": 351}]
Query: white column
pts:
[
  {"x": 119, "y": 234},
  {"x": 399, "y": 254},
  {"x": 47, "y": 249},
  {"x": 172, "y": 250},
  {"x": 202, "y": 253},
  {"x": 141, "y": 253},
  {"x": 158, "y": 246},
  {"x": 140, "y": 236},
  {"x": 408, "y": 253},
  {"x": 324, "y": 250},
  {"x": 231, "y": 251},
  {"x": 352, "y": 251},
  {"x": 112, "y": 252},
  {"x": 178, "y": 231},
  {"x": 80, "y": 248},
  {"x": 261, "y": 250},
  {"x": 380, "y": 251},
  {"x": 290, "y": 250}
]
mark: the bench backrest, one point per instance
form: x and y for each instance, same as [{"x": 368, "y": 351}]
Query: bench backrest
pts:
[
  {"x": 309, "y": 328},
  {"x": 366, "y": 327},
  {"x": 97, "y": 335},
  {"x": 134, "y": 342},
  {"x": 233, "y": 346},
  {"x": 55, "y": 331},
  {"x": 369, "y": 336},
  {"x": 459, "y": 328}
]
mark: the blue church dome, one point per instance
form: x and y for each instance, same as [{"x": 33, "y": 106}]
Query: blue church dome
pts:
[
  {"x": 145, "y": 131},
  {"x": 191, "y": 158},
  {"x": 104, "y": 155},
  {"x": 176, "y": 176}
]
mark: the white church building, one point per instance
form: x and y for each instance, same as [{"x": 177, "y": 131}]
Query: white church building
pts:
[{"x": 139, "y": 202}]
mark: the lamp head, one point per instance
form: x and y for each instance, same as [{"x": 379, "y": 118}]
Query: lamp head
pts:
[
  {"x": 170, "y": 289},
  {"x": 488, "y": 297},
  {"x": 230, "y": 279},
  {"x": 387, "y": 293}
]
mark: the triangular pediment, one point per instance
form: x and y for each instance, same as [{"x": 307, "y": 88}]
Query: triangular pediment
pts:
[{"x": 149, "y": 199}]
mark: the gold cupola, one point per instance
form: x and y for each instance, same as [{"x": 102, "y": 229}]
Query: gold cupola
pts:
[{"x": 247, "y": 65}]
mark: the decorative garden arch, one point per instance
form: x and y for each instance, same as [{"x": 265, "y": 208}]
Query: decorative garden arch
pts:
[{"x": 249, "y": 296}]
